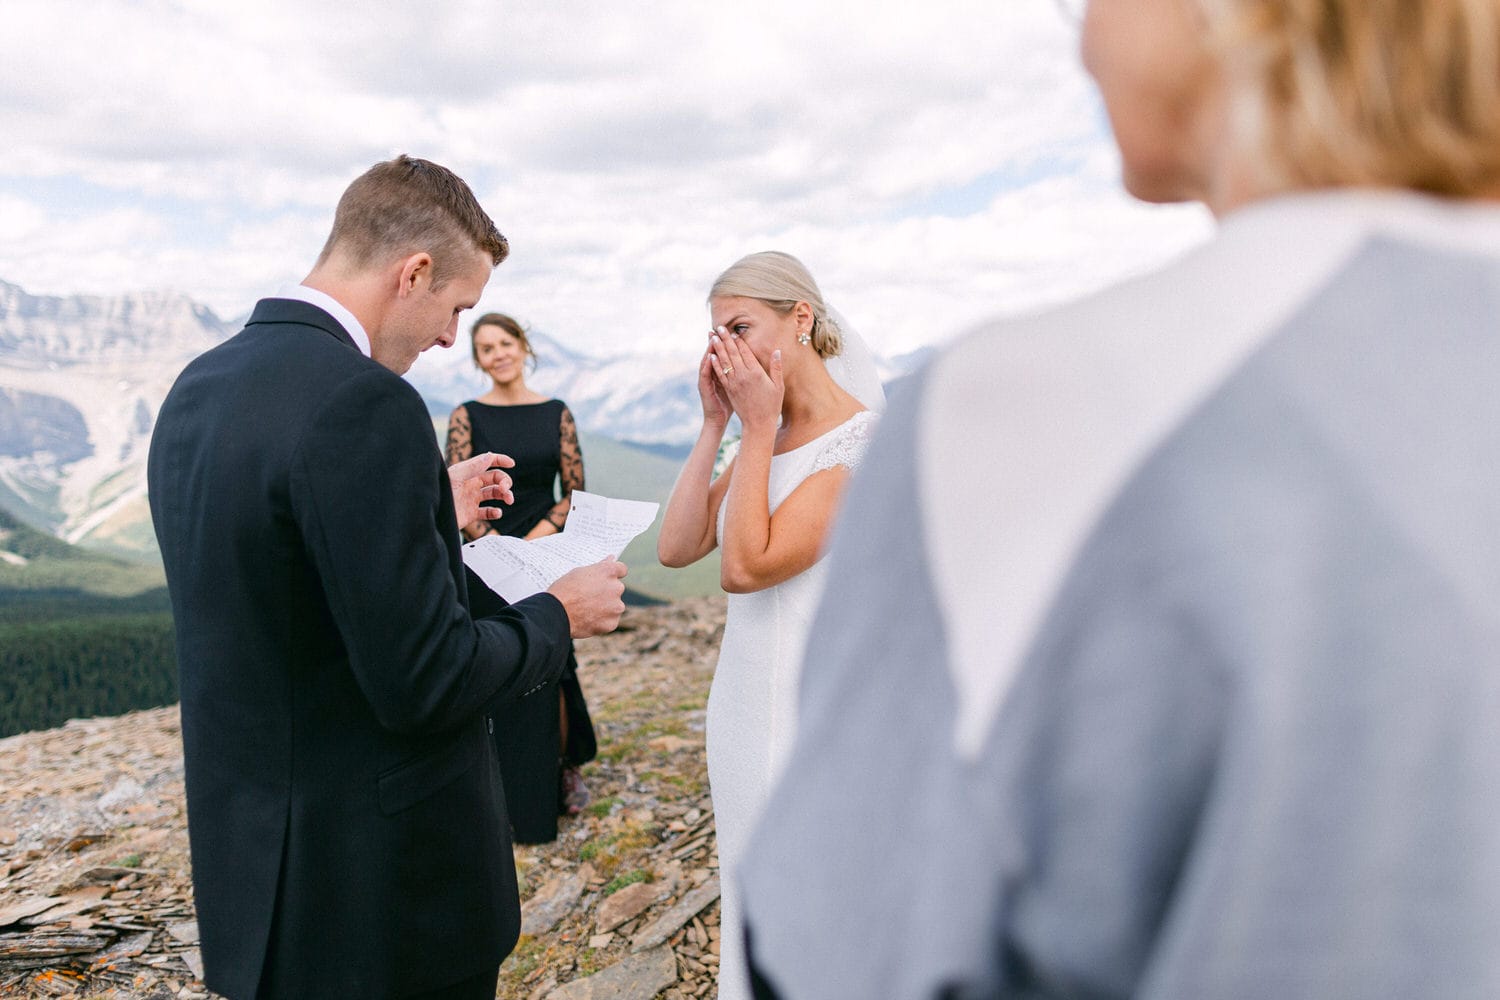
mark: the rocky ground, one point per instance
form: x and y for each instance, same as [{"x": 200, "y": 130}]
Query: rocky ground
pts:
[{"x": 95, "y": 886}]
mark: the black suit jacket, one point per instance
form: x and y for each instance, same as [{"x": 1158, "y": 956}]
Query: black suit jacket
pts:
[{"x": 348, "y": 831}]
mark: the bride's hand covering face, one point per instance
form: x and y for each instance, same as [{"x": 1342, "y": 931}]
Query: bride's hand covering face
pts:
[
  {"x": 717, "y": 409},
  {"x": 755, "y": 392}
]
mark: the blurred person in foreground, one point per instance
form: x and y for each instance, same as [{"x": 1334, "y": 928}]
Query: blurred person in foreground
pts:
[
  {"x": 348, "y": 832},
  {"x": 1197, "y": 693}
]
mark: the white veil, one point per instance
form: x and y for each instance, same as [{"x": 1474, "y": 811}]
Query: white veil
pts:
[{"x": 853, "y": 368}]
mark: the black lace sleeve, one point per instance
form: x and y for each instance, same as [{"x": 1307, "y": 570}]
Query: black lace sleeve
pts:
[
  {"x": 459, "y": 447},
  {"x": 460, "y": 437},
  {"x": 570, "y": 469}
]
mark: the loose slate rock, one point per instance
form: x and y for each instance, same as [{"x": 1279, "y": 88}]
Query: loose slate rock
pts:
[
  {"x": 50, "y": 945},
  {"x": 668, "y": 923},
  {"x": 27, "y": 908},
  {"x": 70, "y": 905},
  {"x": 541, "y": 912},
  {"x": 107, "y": 873},
  {"x": 627, "y": 904},
  {"x": 186, "y": 932},
  {"x": 125, "y": 948},
  {"x": 639, "y": 977}
]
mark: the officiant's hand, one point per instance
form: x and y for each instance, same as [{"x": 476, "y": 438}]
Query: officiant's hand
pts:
[
  {"x": 754, "y": 392},
  {"x": 592, "y": 596},
  {"x": 475, "y": 480}
]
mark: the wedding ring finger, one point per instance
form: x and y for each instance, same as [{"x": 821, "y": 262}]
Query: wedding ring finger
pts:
[{"x": 727, "y": 370}]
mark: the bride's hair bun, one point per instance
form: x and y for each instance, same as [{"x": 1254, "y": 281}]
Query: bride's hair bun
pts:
[{"x": 827, "y": 338}]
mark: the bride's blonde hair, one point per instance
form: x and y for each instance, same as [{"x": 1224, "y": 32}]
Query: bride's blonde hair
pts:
[
  {"x": 781, "y": 281},
  {"x": 1394, "y": 93}
]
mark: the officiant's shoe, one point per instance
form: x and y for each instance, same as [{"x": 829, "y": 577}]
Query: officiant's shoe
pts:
[{"x": 572, "y": 793}]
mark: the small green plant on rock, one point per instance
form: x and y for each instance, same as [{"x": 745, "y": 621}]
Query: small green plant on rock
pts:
[
  {"x": 602, "y": 808},
  {"x": 629, "y": 878},
  {"x": 589, "y": 962},
  {"x": 609, "y": 854},
  {"x": 526, "y": 957}
]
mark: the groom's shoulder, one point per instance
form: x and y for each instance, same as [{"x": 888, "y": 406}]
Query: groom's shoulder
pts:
[
  {"x": 287, "y": 351},
  {"x": 283, "y": 334}
]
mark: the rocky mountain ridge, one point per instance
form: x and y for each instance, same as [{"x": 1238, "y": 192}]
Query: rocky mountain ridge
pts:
[
  {"x": 82, "y": 378},
  {"x": 50, "y": 331}
]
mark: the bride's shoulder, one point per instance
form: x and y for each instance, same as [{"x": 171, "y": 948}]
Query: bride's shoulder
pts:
[
  {"x": 846, "y": 444},
  {"x": 860, "y": 426}
]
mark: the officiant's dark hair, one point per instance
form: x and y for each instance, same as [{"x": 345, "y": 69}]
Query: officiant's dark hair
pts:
[{"x": 410, "y": 205}]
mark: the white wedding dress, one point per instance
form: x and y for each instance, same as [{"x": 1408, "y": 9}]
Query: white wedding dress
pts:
[{"x": 752, "y": 703}]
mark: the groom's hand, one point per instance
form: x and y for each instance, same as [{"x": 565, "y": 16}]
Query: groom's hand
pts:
[
  {"x": 475, "y": 480},
  {"x": 592, "y": 597}
]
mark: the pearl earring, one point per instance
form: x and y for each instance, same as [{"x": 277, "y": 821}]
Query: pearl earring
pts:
[{"x": 804, "y": 337}]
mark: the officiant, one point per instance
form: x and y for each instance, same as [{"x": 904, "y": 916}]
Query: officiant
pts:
[{"x": 543, "y": 738}]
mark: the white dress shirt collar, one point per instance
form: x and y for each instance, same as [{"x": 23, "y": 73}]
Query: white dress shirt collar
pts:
[{"x": 334, "y": 308}]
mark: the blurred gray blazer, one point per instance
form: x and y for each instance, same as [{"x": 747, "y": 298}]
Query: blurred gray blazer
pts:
[{"x": 1184, "y": 679}]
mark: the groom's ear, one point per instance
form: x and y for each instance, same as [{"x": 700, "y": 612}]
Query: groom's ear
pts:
[{"x": 415, "y": 272}]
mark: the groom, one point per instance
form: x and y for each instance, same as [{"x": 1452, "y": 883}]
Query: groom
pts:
[{"x": 348, "y": 831}]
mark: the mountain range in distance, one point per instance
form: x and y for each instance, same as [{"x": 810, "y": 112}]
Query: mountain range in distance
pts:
[{"x": 82, "y": 378}]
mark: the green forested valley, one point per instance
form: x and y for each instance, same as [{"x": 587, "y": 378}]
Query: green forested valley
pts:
[{"x": 80, "y": 634}]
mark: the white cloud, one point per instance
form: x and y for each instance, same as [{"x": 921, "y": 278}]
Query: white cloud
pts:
[{"x": 933, "y": 164}]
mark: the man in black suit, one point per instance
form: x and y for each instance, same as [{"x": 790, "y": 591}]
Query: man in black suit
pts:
[{"x": 348, "y": 831}]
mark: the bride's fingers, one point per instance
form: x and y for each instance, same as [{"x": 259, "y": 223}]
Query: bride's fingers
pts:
[
  {"x": 723, "y": 361},
  {"x": 706, "y": 382},
  {"x": 715, "y": 364},
  {"x": 737, "y": 357}
]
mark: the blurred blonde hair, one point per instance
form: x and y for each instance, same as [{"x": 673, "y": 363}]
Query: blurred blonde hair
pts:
[
  {"x": 1401, "y": 93},
  {"x": 781, "y": 281}
]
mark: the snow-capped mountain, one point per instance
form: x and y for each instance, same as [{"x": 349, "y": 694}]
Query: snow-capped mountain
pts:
[
  {"x": 649, "y": 399},
  {"x": 82, "y": 378},
  {"x": 53, "y": 331}
]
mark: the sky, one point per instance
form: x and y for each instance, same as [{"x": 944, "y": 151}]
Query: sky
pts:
[{"x": 934, "y": 164}]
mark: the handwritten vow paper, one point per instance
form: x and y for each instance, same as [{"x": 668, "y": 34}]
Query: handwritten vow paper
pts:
[{"x": 596, "y": 527}]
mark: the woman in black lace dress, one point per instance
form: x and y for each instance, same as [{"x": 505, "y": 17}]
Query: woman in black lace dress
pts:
[{"x": 543, "y": 737}]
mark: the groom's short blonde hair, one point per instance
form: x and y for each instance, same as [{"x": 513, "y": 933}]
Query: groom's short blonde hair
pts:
[
  {"x": 410, "y": 205},
  {"x": 1385, "y": 93}
]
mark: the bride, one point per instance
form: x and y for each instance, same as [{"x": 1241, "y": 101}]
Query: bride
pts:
[{"x": 806, "y": 393}]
